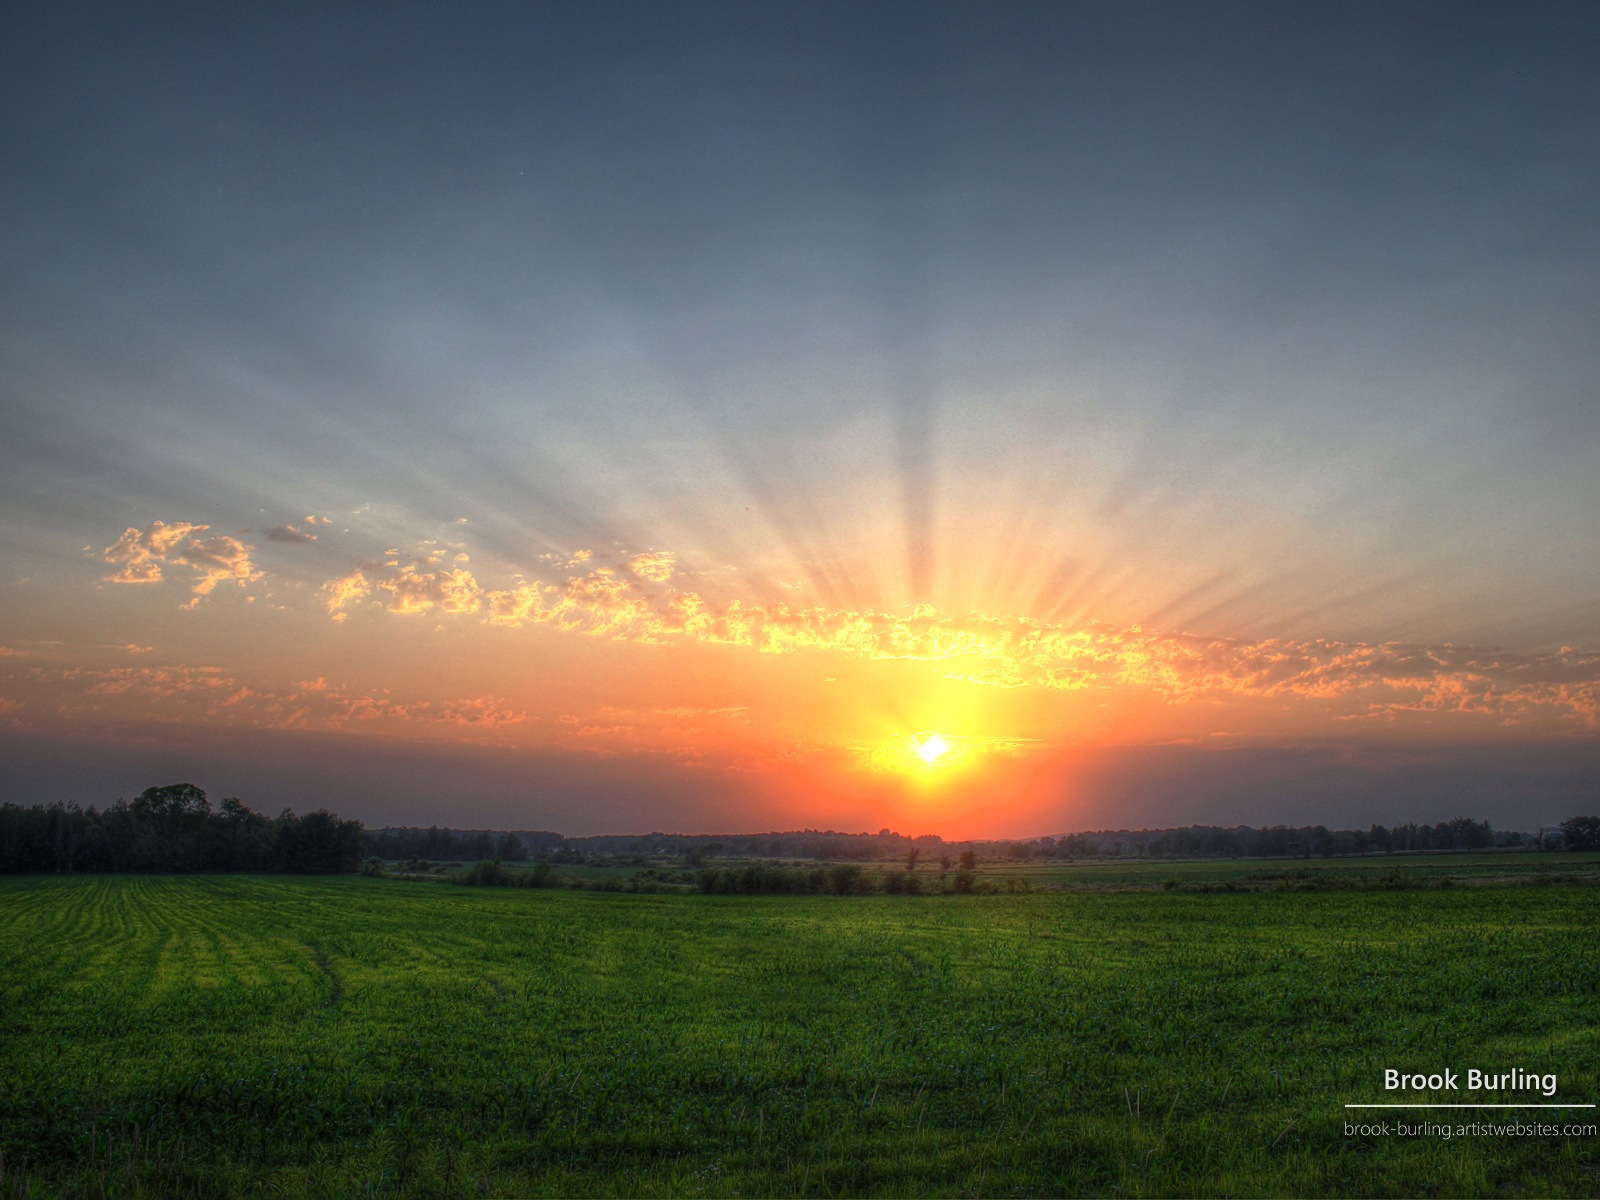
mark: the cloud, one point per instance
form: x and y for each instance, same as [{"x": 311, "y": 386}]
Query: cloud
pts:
[
  {"x": 342, "y": 592},
  {"x": 654, "y": 567},
  {"x": 481, "y": 713},
  {"x": 409, "y": 589},
  {"x": 414, "y": 590},
  {"x": 213, "y": 696},
  {"x": 1347, "y": 679},
  {"x": 287, "y": 533},
  {"x": 315, "y": 520},
  {"x": 140, "y": 551},
  {"x": 219, "y": 559},
  {"x": 143, "y": 554}
]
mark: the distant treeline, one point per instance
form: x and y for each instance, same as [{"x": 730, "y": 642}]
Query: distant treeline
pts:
[
  {"x": 807, "y": 843},
  {"x": 930, "y": 850},
  {"x": 841, "y": 879},
  {"x": 449, "y": 844},
  {"x": 1285, "y": 841},
  {"x": 1317, "y": 841},
  {"x": 1196, "y": 841},
  {"x": 171, "y": 829},
  {"x": 175, "y": 828}
]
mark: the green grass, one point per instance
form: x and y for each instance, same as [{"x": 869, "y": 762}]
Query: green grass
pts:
[{"x": 368, "y": 1037}]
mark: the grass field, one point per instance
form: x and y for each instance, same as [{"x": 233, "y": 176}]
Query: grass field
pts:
[{"x": 370, "y": 1037}]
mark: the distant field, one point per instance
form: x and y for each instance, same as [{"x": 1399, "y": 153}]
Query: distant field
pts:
[{"x": 369, "y": 1037}]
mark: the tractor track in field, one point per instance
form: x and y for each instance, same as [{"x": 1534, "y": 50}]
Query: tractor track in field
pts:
[{"x": 335, "y": 980}]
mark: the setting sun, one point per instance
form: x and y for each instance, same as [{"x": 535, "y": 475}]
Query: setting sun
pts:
[{"x": 930, "y": 747}]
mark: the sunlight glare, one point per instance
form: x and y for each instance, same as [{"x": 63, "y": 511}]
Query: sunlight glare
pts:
[{"x": 930, "y": 746}]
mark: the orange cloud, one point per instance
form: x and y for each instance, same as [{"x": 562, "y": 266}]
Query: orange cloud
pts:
[
  {"x": 143, "y": 553},
  {"x": 220, "y": 559},
  {"x": 214, "y": 696},
  {"x": 414, "y": 591},
  {"x": 409, "y": 589},
  {"x": 342, "y": 592},
  {"x": 1353, "y": 679},
  {"x": 140, "y": 551},
  {"x": 654, "y": 567}
]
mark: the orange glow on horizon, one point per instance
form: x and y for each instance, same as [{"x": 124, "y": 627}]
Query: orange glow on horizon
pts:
[{"x": 950, "y": 721}]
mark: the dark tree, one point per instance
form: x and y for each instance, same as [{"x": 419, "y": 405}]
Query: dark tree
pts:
[
  {"x": 173, "y": 828},
  {"x": 1581, "y": 833},
  {"x": 172, "y": 823},
  {"x": 318, "y": 842}
]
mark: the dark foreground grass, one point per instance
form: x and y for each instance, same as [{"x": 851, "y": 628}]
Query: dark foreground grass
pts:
[{"x": 365, "y": 1037}]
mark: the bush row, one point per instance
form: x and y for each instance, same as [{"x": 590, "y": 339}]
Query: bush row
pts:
[{"x": 842, "y": 879}]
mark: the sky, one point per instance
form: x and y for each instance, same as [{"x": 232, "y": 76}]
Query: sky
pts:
[{"x": 987, "y": 420}]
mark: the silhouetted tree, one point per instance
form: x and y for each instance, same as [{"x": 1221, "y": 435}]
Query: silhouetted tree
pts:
[
  {"x": 1581, "y": 833},
  {"x": 172, "y": 828}
]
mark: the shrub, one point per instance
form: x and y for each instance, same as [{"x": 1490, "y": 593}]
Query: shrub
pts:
[
  {"x": 844, "y": 878},
  {"x": 756, "y": 880},
  {"x": 488, "y": 873}
]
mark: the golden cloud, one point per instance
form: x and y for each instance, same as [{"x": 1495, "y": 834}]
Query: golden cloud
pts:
[
  {"x": 142, "y": 553},
  {"x": 1362, "y": 679},
  {"x": 409, "y": 589},
  {"x": 653, "y": 567}
]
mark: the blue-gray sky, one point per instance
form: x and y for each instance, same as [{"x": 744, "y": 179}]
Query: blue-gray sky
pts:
[{"x": 1249, "y": 322}]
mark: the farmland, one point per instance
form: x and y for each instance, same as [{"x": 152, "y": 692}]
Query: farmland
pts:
[{"x": 353, "y": 1036}]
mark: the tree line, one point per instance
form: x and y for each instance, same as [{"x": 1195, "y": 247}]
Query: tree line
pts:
[
  {"x": 174, "y": 829},
  {"x": 1282, "y": 841},
  {"x": 434, "y": 843},
  {"x": 1195, "y": 841}
]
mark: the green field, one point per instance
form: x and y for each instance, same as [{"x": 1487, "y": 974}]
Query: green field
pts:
[{"x": 349, "y": 1036}]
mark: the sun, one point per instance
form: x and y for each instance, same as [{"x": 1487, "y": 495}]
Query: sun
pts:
[{"x": 929, "y": 747}]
